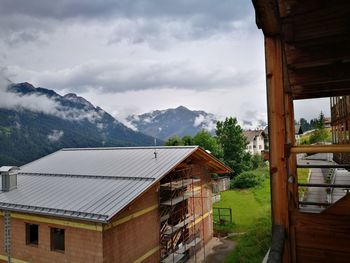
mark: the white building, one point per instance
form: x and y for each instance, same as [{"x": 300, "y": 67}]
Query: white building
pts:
[{"x": 256, "y": 142}]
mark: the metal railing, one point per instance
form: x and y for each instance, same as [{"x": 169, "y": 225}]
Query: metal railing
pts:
[{"x": 277, "y": 244}]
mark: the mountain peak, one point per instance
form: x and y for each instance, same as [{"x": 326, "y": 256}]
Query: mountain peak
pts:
[
  {"x": 40, "y": 121},
  {"x": 22, "y": 88},
  {"x": 181, "y": 108},
  {"x": 70, "y": 95},
  {"x": 77, "y": 99},
  {"x": 179, "y": 121}
]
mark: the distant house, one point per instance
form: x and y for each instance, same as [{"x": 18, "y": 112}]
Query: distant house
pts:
[
  {"x": 256, "y": 141},
  {"x": 148, "y": 204},
  {"x": 327, "y": 121}
]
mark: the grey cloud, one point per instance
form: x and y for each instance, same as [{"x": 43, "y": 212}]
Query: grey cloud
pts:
[
  {"x": 122, "y": 76},
  {"x": 21, "y": 20},
  {"x": 55, "y": 135},
  {"x": 17, "y": 29},
  {"x": 22, "y": 36},
  {"x": 210, "y": 9},
  {"x": 161, "y": 32},
  {"x": 207, "y": 122}
]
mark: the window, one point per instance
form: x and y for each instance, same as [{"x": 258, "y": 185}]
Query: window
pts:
[
  {"x": 32, "y": 234},
  {"x": 57, "y": 239},
  {"x": 260, "y": 147}
]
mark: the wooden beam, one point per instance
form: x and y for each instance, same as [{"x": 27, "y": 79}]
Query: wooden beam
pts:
[
  {"x": 277, "y": 136},
  {"x": 267, "y": 16},
  {"x": 318, "y": 55},
  {"x": 321, "y": 90},
  {"x": 326, "y": 22},
  {"x": 337, "y": 72},
  {"x": 297, "y": 7},
  {"x": 334, "y": 148}
]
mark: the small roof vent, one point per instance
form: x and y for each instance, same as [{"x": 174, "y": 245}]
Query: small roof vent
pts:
[{"x": 8, "y": 178}]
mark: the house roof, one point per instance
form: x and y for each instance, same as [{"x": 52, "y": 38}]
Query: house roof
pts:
[
  {"x": 298, "y": 129},
  {"x": 250, "y": 135},
  {"x": 94, "y": 184}
]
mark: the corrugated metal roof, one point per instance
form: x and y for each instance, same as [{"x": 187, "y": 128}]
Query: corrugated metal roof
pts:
[{"x": 91, "y": 184}]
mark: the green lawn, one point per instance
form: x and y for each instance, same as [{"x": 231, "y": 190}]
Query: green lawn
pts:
[
  {"x": 248, "y": 204},
  {"x": 303, "y": 174},
  {"x": 251, "y": 214},
  {"x": 254, "y": 244}
]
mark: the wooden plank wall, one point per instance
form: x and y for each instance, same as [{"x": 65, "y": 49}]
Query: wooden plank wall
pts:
[{"x": 321, "y": 238}]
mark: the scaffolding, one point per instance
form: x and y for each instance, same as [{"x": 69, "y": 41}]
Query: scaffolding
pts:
[{"x": 181, "y": 214}]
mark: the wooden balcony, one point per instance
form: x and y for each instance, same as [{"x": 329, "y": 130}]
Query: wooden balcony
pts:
[{"x": 307, "y": 56}]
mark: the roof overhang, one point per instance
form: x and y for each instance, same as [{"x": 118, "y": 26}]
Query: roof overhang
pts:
[
  {"x": 315, "y": 40},
  {"x": 215, "y": 165}
]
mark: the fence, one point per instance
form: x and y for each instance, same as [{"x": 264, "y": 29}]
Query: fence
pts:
[
  {"x": 222, "y": 216},
  {"x": 221, "y": 184}
]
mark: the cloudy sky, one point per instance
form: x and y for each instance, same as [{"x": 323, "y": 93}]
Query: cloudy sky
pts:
[{"x": 130, "y": 57}]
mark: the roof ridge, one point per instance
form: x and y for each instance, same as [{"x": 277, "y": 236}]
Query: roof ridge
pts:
[
  {"x": 131, "y": 148},
  {"x": 90, "y": 176}
]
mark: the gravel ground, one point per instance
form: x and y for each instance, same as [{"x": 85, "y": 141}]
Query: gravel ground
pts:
[{"x": 216, "y": 251}]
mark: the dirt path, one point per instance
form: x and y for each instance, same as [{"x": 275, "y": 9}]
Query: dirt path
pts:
[{"x": 216, "y": 251}]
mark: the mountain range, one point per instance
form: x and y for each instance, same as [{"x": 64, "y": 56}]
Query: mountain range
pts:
[
  {"x": 37, "y": 121},
  {"x": 180, "y": 121}
]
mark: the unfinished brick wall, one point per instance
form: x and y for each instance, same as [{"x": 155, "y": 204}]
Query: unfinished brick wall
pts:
[
  {"x": 129, "y": 241},
  {"x": 81, "y": 245}
]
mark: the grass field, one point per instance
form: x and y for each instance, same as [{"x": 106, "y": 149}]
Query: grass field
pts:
[
  {"x": 303, "y": 174},
  {"x": 305, "y": 138},
  {"x": 248, "y": 204},
  {"x": 251, "y": 214}
]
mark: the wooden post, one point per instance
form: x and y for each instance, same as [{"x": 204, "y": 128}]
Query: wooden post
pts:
[{"x": 277, "y": 137}]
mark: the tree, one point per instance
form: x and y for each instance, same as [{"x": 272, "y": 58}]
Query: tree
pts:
[
  {"x": 305, "y": 126},
  {"x": 174, "y": 141},
  {"x": 187, "y": 140},
  {"x": 208, "y": 142},
  {"x": 231, "y": 138},
  {"x": 257, "y": 161},
  {"x": 320, "y": 121},
  {"x": 320, "y": 135}
]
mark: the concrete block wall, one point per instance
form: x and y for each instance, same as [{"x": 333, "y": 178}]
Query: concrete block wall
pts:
[
  {"x": 137, "y": 238},
  {"x": 81, "y": 245}
]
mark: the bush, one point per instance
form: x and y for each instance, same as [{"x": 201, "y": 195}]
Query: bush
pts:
[
  {"x": 246, "y": 180},
  {"x": 257, "y": 161}
]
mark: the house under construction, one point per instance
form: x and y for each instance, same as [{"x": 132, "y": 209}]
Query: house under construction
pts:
[
  {"x": 149, "y": 204},
  {"x": 307, "y": 56}
]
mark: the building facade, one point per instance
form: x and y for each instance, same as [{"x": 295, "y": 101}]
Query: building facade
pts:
[
  {"x": 340, "y": 125},
  {"x": 256, "y": 141}
]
